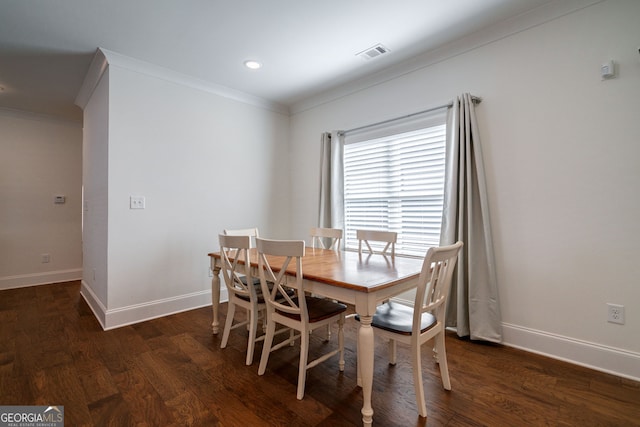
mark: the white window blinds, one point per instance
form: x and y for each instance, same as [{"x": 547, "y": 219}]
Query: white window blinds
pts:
[{"x": 396, "y": 183}]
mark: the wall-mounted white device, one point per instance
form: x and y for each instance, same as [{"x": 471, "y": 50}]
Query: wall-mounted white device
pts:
[
  {"x": 608, "y": 70},
  {"x": 59, "y": 200}
]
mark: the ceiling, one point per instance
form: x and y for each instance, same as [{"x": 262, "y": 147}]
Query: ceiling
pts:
[{"x": 306, "y": 47}]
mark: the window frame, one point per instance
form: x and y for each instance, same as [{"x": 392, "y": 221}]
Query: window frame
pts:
[{"x": 396, "y": 140}]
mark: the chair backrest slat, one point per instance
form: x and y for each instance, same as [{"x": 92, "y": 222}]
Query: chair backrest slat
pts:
[
  {"x": 326, "y": 238},
  {"x": 435, "y": 283},
  {"x": 251, "y": 232},
  {"x": 275, "y": 257},
  {"x": 388, "y": 237},
  {"x": 236, "y": 260}
]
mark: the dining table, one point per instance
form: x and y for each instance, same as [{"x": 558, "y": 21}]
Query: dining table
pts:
[{"x": 363, "y": 280}]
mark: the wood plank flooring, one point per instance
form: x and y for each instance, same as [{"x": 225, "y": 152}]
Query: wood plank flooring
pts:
[{"x": 172, "y": 372}]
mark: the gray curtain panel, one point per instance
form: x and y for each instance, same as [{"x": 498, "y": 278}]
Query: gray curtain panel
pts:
[
  {"x": 331, "y": 212},
  {"x": 473, "y": 306}
]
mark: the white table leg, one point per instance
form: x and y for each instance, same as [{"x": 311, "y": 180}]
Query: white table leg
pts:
[
  {"x": 365, "y": 367},
  {"x": 215, "y": 296}
]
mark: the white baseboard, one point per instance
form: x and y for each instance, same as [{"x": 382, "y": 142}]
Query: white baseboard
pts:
[
  {"x": 611, "y": 360},
  {"x": 35, "y": 279},
  {"x": 615, "y": 361},
  {"x": 123, "y": 316},
  {"x": 602, "y": 358},
  {"x": 94, "y": 303}
]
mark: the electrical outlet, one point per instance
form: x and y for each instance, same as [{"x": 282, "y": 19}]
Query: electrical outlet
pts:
[
  {"x": 615, "y": 313},
  {"x": 136, "y": 202},
  {"x": 46, "y": 258}
]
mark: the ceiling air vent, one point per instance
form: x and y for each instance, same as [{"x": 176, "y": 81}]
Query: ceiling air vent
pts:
[{"x": 373, "y": 52}]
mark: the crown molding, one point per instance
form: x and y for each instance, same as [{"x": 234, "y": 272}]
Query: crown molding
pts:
[
  {"x": 105, "y": 58},
  {"x": 97, "y": 68},
  {"x": 29, "y": 115},
  {"x": 533, "y": 18}
]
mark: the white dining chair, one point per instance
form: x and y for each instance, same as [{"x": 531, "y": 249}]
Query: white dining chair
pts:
[
  {"x": 300, "y": 312},
  {"x": 251, "y": 232},
  {"x": 326, "y": 238},
  {"x": 389, "y": 238},
  {"x": 414, "y": 326},
  {"x": 242, "y": 288}
]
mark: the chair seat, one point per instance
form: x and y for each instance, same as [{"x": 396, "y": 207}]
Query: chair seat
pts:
[
  {"x": 318, "y": 309},
  {"x": 398, "y": 318},
  {"x": 259, "y": 293},
  {"x": 256, "y": 280}
]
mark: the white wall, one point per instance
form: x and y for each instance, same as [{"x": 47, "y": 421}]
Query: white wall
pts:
[
  {"x": 95, "y": 174},
  {"x": 560, "y": 148},
  {"x": 203, "y": 162},
  {"x": 41, "y": 158},
  {"x": 561, "y": 152}
]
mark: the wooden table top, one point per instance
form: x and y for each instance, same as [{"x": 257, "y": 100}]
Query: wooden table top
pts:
[{"x": 348, "y": 269}]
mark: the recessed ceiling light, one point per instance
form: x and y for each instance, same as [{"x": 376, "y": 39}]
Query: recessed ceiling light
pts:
[{"x": 252, "y": 64}]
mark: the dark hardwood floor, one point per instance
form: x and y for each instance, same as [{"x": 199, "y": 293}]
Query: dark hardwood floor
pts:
[{"x": 172, "y": 372}]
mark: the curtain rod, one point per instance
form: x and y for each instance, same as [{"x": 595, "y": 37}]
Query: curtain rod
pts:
[{"x": 475, "y": 99}]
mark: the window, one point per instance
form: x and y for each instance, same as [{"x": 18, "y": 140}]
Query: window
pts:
[{"x": 396, "y": 183}]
